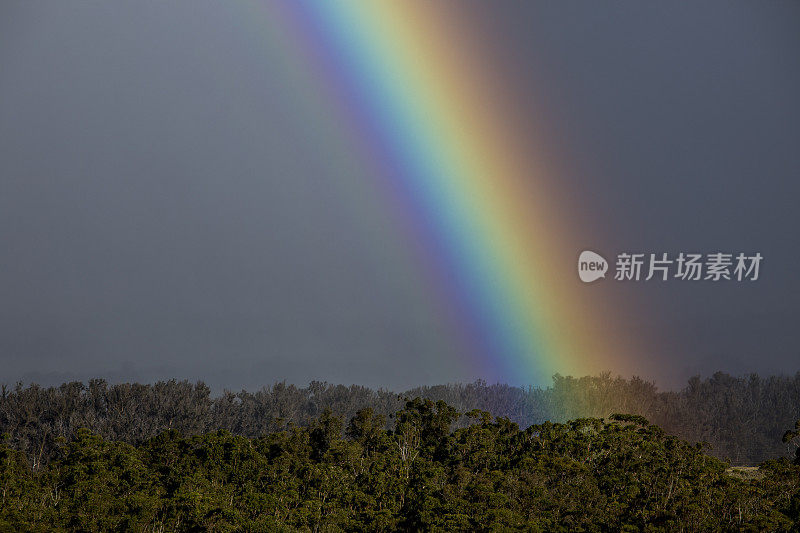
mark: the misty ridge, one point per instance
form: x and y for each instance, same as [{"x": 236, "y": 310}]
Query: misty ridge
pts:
[{"x": 742, "y": 419}]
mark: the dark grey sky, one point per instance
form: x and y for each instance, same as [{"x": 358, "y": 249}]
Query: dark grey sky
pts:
[{"x": 163, "y": 214}]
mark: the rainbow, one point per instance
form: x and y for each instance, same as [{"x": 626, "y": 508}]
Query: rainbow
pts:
[{"x": 483, "y": 215}]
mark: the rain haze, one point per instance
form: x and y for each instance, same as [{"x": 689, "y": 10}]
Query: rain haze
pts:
[{"x": 167, "y": 211}]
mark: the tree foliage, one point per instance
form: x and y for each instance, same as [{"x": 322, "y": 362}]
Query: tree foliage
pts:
[
  {"x": 742, "y": 419},
  {"x": 429, "y": 471}
]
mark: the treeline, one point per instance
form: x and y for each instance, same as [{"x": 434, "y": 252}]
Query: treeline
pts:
[
  {"x": 618, "y": 474},
  {"x": 741, "y": 418}
]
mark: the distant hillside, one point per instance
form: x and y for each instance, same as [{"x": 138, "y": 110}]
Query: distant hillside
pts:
[{"x": 742, "y": 419}]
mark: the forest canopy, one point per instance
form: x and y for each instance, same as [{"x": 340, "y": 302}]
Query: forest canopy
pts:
[
  {"x": 579, "y": 455},
  {"x": 588, "y": 474},
  {"x": 741, "y": 418}
]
